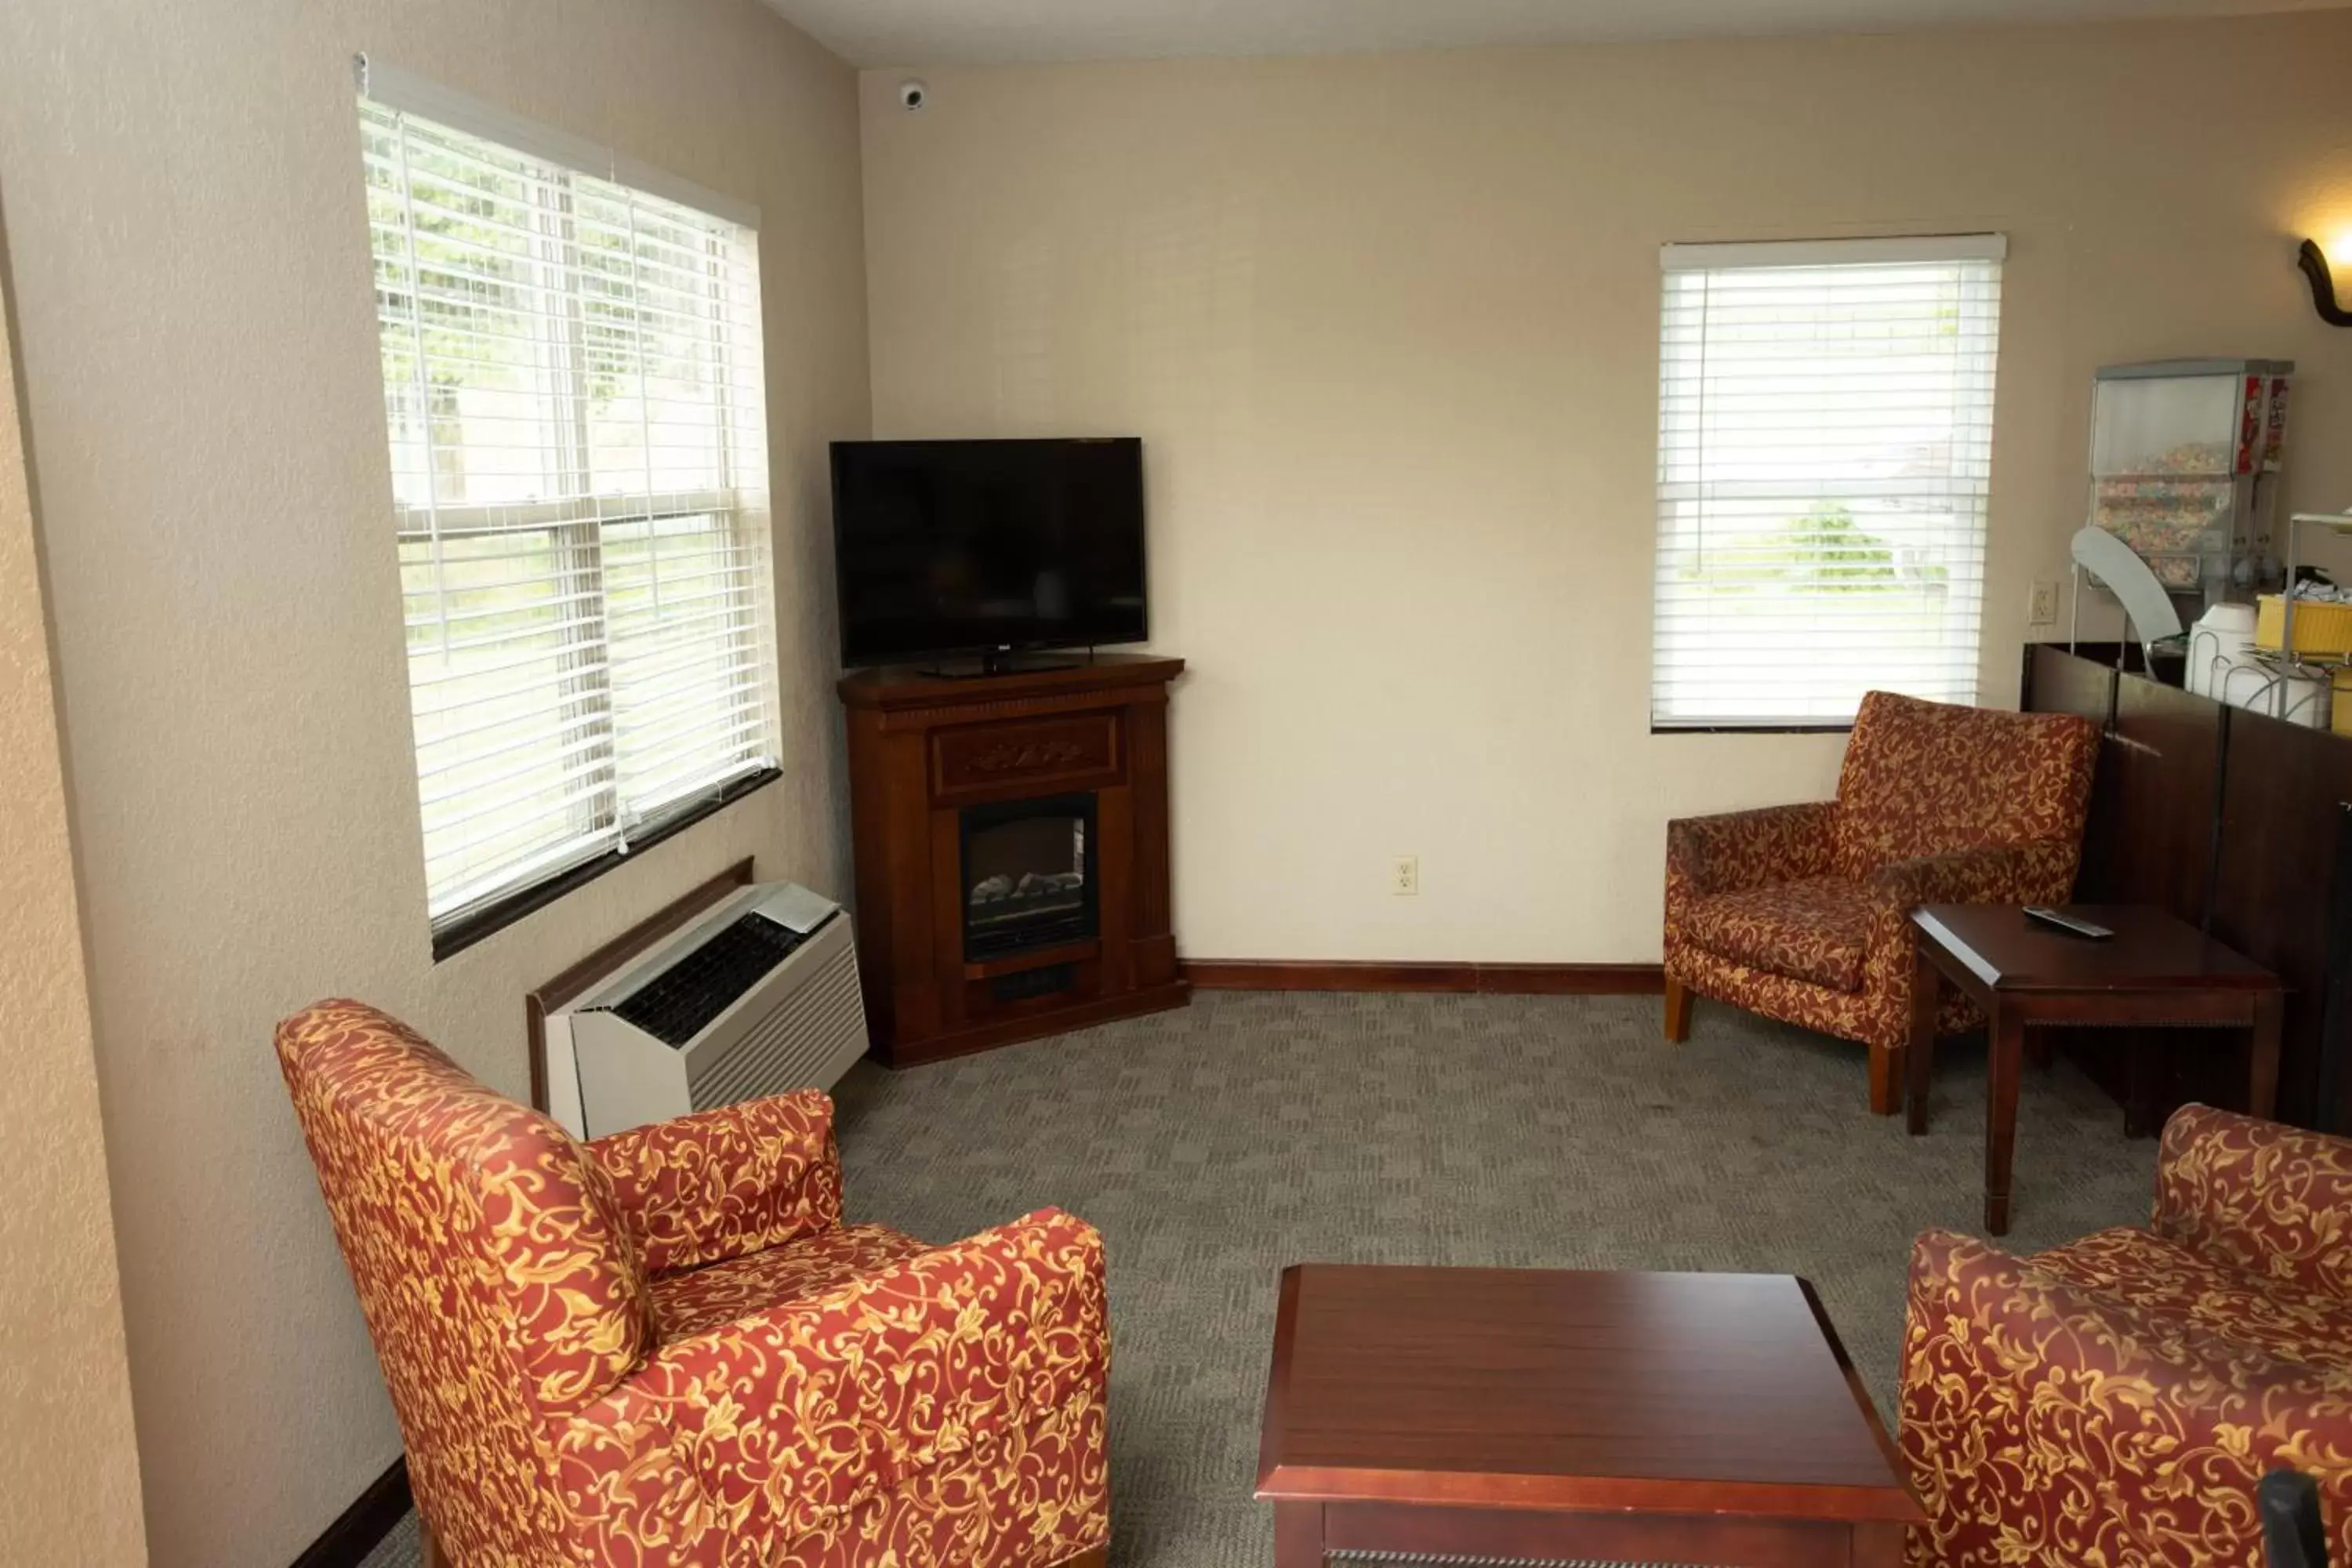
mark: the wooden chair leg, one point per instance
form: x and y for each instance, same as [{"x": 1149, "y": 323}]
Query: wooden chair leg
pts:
[
  {"x": 433, "y": 1556},
  {"x": 1920, "y": 1045},
  {"x": 1678, "y": 1010},
  {"x": 1886, "y": 1078}
]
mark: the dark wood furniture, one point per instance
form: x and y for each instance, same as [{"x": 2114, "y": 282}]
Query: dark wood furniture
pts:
[
  {"x": 1541, "y": 1415},
  {"x": 923, "y": 749},
  {"x": 2155, "y": 972},
  {"x": 2237, "y": 822}
]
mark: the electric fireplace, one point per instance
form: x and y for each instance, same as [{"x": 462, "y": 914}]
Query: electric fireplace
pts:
[
  {"x": 1011, "y": 836},
  {"x": 1028, "y": 875}
]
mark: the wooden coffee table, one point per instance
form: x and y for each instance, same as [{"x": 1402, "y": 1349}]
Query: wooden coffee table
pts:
[
  {"x": 1548, "y": 1415},
  {"x": 2154, "y": 970}
]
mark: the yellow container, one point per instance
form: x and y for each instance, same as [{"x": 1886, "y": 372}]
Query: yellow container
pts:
[{"x": 2319, "y": 626}]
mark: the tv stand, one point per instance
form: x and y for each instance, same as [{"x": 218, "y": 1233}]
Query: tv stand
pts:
[
  {"x": 938, "y": 765},
  {"x": 1006, "y": 663}
]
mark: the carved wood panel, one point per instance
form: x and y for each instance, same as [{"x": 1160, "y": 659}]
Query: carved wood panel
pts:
[{"x": 1025, "y": 757}]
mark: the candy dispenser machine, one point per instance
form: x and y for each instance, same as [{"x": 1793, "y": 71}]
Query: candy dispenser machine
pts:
[{"x": 2185, "y": 458}]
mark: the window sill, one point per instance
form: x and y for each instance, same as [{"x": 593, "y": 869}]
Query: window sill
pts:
[
  {"x": 493, "y": 918},
  {"x": 1844, "y": 729}
]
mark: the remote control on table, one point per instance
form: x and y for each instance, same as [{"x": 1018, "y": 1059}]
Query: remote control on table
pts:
[{"x": 2064, "y": 922}]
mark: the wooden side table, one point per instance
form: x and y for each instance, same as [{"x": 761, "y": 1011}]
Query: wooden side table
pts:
[
  {"x": 2154, "y": 970},
  {"x": 1558, "y": 1416}
]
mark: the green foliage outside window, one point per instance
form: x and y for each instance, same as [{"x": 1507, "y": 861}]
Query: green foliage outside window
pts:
[{"x": 1823, "y": 551}]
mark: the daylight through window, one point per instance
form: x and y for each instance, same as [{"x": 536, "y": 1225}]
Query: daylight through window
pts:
[
  {"x": 1824, "y": 457},
  {"x": 572, "y": 375}
]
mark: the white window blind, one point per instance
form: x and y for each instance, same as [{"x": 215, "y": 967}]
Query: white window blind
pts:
[
  {"x": 1824, "y": 455},
  {"x": 572, "y": 374}
]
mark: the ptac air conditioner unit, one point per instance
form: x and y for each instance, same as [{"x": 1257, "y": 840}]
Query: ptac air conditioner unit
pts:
[{"x": 757, "y": 996}]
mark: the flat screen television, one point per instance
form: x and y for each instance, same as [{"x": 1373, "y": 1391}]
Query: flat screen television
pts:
[{"x": 953, "y": 548}]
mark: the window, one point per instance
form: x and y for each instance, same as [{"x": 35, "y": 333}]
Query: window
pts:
[
  {"x": 571, "y": 380},
  {"x": 1824, "y": 453}
]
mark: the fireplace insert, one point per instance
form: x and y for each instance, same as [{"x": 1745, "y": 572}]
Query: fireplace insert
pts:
[{"x": 1028, "y": 875}]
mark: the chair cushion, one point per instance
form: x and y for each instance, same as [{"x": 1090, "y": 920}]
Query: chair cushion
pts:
[
  {"x": 1929, "y": 778},
  {"x": 2272, "y": 1200},
  {"x": 690, "y": 1302},
  {"x": 432, "y": 1179},
  {"x": 1816, "y": 930},
  {"x": 2277, "y": 1317}
]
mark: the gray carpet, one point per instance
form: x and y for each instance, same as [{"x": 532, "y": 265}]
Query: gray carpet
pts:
[{"x": 1252, "y": 1130}]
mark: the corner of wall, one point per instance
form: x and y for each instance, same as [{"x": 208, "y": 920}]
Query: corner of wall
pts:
[{"x": 67, "y": 1442}]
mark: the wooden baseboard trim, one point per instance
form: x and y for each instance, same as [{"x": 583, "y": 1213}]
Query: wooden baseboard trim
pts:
[
  {"x": 355, "y": 1533},
  {"x": 1455, "y": 979}
]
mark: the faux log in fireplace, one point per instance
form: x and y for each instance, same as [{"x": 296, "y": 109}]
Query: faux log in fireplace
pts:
[{"x": 1011, "y": 841}]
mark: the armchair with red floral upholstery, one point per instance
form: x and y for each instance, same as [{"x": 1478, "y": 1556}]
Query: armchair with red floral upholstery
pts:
[
  {"x": 1801, "y": 912},
  {"x": 664, "y": 1347},
  {"x": 2117, "y": 1400}
]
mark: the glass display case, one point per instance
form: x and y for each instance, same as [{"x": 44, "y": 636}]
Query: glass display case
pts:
[{"x": 2185, "y": 457}]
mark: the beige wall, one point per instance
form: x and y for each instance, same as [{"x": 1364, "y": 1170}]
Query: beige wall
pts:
[
  {"x": 1389, "y": 328},
  {"x": 199, "y": 346},
  {"x": 65, "y": 1441}
]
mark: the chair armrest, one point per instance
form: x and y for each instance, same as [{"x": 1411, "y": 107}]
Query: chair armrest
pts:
[
  {"x": 2040, "y": 1422},
  {"x": 2273, "y": 1201},
  {"x": 722, "y": 1184},
  {"x": 2040, "y": 873},
  {"x": 795, "y": 1415},
  {"x": 1740, "y": 849}
]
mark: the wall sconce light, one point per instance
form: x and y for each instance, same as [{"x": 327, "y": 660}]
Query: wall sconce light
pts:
[{"x": 2323, "y": 286}]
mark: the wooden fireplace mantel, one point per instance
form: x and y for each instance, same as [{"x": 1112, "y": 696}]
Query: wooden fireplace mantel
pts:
[{"x": 922, "y": 748}]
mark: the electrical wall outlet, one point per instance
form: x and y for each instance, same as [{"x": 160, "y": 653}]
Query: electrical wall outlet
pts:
[
  {"x": 1404, "y": 877},
  {"x": 2042, "y": 609}
]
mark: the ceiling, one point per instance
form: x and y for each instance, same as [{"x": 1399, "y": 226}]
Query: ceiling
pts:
[{"x": 944, "y": 32}]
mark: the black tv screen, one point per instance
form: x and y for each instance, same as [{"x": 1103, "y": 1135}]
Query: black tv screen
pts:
[{"x": 958, "y": 547}]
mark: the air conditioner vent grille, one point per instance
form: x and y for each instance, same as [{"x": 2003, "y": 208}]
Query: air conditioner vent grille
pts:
[
  {"x": 815, "y": 1032},
  {"x": 679, "y": 1004}
]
